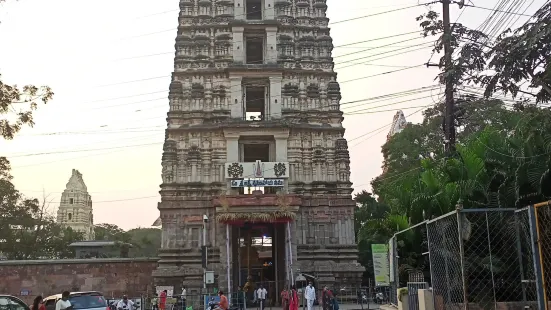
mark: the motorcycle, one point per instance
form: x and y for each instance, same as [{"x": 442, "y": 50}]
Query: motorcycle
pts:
[
  {"x": 212, "y": 304},
  {"x": 379, "y": 298}
]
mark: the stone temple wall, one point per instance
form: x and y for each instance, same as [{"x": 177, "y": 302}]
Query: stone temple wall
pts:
[{"x": 112, "y": 277}]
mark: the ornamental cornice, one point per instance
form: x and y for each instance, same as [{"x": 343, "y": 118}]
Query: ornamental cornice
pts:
[
  {"x": 278, "y": 133},
  {"x": 204, "y": 3},
  {"x": 251, "y": 200},
  {"x": 283, "y": 3}
]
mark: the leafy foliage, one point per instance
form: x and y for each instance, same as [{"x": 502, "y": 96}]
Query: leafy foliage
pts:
[
  {"x": 504, "y": 65},
  {"x": 17, "y": 106},
  {"x": 27, "y": 231},
  {"x": 503, "y": 164},
  {"x": 503, "y": 160},
  {"x": 145, "y": 241},
  {"x": 368, "y": 214}
]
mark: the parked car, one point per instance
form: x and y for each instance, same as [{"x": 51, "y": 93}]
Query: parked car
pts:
[
  {"x": 8, "y": 302},
  {"x": 79, "y": 301}
]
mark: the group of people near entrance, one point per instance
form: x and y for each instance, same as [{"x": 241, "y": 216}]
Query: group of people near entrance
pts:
[{"x": 290, "y": 298}]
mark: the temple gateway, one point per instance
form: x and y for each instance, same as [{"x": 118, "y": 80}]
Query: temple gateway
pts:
[{"x": 254, "y": 142}]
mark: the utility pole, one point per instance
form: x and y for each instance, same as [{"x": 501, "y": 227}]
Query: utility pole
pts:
[
  {"x": 449, "y": 122},
  {"x": 204, "y": 251}
]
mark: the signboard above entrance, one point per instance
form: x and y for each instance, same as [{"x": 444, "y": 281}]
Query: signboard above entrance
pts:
[
  {"x": 257, "y": 169},
  {"x": 258, "y": 183}
]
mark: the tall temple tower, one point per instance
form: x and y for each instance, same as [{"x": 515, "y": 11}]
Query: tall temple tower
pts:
[
  {"x": 75, "y": 209},
  {"x": 398, "y": 124},
  {"x": 255, "y": 144}
]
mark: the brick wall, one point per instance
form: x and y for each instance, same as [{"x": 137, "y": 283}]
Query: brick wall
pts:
[{"x": 112, "y": 277}]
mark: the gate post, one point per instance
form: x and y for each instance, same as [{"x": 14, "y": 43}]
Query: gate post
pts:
[{"x": 534, "y": 238}]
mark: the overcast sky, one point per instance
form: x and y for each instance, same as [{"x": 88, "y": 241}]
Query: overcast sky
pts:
[{"x": 107, "y": 118}]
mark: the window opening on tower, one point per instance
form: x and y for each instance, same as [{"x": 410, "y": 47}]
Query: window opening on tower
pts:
[
  {"x": 254, "y": 50},
  {"x": 254, "y": 9},
  {"x": 255, "y": 103}
]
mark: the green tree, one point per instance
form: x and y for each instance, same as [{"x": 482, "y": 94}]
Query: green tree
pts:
[
  {"x": 111, "y": 232},
  {"x": 504, "y": 165},
  {"x": 144, "y": 242},
  {"x": 27, "y": 231},
  {"x": 368, "y": 212},
  {"x": 405, "y": 152},
  {"x": 513, "y": 58},
  {"x": 17, "y": 105}
]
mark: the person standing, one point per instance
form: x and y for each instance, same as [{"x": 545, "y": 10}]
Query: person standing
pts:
[
  {"x": 37, "y": 303},
  {"x": 293, "y": 299},
  {"x": 240, "y": 298},
  {"x": 224, "y": 304},
  {"x": 162, "y": 300},
  {"x": 125, "y": 304},
  {"x": 261, "y": 295},
  {"x": 310, "y": 294},
  {"x": 327, "y": 299},
  {"x": 155, "y": 302},
  {"x": 64, "y": 303},
  {"x": 285, "y": 298},
  {"x": 184, "y": 292}
]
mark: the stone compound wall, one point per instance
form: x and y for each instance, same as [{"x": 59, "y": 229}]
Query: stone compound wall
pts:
[{"x": 113, "y": 277}]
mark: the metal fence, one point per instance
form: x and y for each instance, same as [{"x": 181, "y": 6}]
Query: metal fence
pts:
[
  {"x": 347, "y": 297},
  {"x": 478, "y": 258},
  {"x": 542, "y": 215},
  {"x": 409, "y": 258}
]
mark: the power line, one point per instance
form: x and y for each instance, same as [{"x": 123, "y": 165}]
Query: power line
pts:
[
  {"x": 499, "y": 11},
  {"x": 86, "y": 150},
  {"x": 150, "y": 144},
  {"x": 364, "y": 41},
  {"x": 164, "y": 98},
  {"x": 344, "y": 105},
  {"x": 353, "y": 9},
  {"x": 401, "y": 53},
  {"x": 376, "y": 14}
]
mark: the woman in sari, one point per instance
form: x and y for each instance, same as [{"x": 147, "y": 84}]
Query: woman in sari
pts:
[
  {"x": 285, "y": 298},
  {"x": 293, "y": 299}
]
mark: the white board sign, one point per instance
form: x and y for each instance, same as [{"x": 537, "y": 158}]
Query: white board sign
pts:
[
  {"x": 169, "y": 290},
  {"x": 257, "y": 183},
  {"x": 380, "y": 264}
]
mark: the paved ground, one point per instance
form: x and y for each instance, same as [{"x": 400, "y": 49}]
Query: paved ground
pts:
[{"x": 371, "y": 306}]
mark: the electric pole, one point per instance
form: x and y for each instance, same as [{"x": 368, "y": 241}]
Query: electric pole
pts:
[{"x": 449, "y": 122}]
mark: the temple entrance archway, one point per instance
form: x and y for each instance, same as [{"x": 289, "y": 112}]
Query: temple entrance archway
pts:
[{"x": 261, "y": 252}]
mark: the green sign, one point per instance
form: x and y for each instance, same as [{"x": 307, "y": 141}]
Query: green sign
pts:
[{"x": 380, "y": 264}]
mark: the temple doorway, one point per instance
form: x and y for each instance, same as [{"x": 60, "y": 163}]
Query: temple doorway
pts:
[{"x": 259, "y": 258}]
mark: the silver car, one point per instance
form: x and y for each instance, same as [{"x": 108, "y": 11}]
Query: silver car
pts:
[
  {"x": 9, "y": 302},
  {"x": 80, "y": 301}
]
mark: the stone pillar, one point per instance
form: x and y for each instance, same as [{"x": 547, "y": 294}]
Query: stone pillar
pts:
[
  {"x": 281, "y": 149},
  {"x": 275, "y": 97},
  {"x": 271, "y": 45},
  {"x": 269, "y": 9},
  {"x": 238, "y": 45},
  {"x": 239, "y": 9},
  {"x": 232, "y": 149},
  {"x": 236, "y": 97}
]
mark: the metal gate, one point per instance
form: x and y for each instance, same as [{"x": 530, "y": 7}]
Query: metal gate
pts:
[{"x": 413, "y": 293}]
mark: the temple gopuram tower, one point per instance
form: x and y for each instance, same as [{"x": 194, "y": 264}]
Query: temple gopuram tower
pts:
[
  {"x": 254, "y": 142},
  {"x": 75, "y": 208}
]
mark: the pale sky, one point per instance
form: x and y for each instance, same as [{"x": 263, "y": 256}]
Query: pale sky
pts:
[{"x": 107, "y": 118}]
